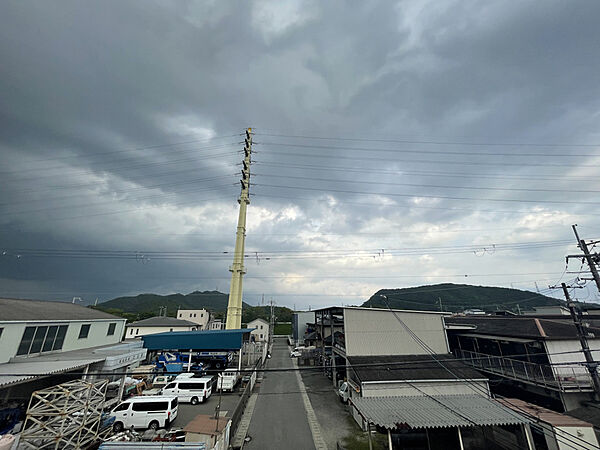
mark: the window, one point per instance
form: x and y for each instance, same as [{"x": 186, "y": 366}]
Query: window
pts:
[
  {"x": 60, "y": 337},
  {"x": 180, "y": 315},
  {"x": 261, "y": 327},
  {"x": 26, "y": 341},
  {"x": 202, "y": 315},
  {"x": 130, "y": 331},
  {"x": 190, "y": 314},
  {"x": 122, "y": 407},
  {"x": 191, "y": 386},
  {"x": 171, "y": 386},
  {"x": 111, "y": 329},
  {"x": 174, "y": 403},
  {"x": 137, "y": 331},
  {"x": 50, "y": 337},
  {"x": 261, "y": 336},
  {"x": 84, "y": 331},
  {"x": 1, "y": 330},
  {"x": 151, "y": 406},
  {"x": 171, "y": 329},
  {"x": 42, "y": 339},
  {"x": 194, "y": 314}
]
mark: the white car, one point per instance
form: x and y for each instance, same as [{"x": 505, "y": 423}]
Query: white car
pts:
[
  {"x": 193, "y": 390},
  {"x": 145, "y": 412}
]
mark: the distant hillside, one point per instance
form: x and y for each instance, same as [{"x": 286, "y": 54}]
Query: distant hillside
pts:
[
  {"x": 457, "y": 297},
  {"x": 211, "y": 300},
  {"x": 148, "y": 305}
]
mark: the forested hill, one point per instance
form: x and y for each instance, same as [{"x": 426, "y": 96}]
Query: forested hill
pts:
[
  {"x": 147, "y": 305},
  {"x": 458, "y": 297}
]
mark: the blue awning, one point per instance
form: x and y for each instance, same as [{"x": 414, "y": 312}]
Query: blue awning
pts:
[{"x": 196, "y": 340}]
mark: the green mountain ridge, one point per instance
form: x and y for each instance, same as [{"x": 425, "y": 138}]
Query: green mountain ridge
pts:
[
  {"x": 147, "y": 305},
  {"x": 458, "y": 297}
]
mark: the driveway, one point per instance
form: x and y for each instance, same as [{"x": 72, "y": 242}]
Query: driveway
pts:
[{"x": 279, "y": 420}]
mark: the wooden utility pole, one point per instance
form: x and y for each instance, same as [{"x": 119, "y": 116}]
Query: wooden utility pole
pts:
[
  {"x": 234, "y": 307},
  {"x": 591, "y": 365}
]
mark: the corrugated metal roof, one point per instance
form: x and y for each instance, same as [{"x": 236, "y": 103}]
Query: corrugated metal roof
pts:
[
  {"x": 435, "y": 411},
  {"x": 12, "y": 309},
  {"x": 19, "y": 372},
  {"x": 196, "y": 340}
]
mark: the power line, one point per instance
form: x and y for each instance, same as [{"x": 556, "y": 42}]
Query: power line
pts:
[
  {"x": 128, "y": 150},
  {"x": 427, "y": 161},
  {"x": 434, "y": 142},
  {"x": 436, "y": 174},
  {"x": 413, "y": 206},
  {"x": 382, "y": 183},
  {"x": 122, "y": 191},
  {"x": 347, "y": 191}
]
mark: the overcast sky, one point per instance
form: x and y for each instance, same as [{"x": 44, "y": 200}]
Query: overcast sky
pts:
[{"x": 396, "y": 144}]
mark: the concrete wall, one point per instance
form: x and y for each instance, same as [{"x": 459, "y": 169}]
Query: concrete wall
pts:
[
  {"x": 400, "y": 389},
  {"x": 199, "y": 316},
  {"x": 264, "y": 331},
  {"x": 13, "y": 333},
  {"x": 135, "y": 331},
  {"x": 378, "y": 332}
]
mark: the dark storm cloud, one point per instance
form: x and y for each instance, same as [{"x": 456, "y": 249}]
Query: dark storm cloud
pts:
[{"x": 121, "y": 122}]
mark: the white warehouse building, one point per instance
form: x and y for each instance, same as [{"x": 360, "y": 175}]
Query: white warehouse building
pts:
[{"x": 42, "y": 342}]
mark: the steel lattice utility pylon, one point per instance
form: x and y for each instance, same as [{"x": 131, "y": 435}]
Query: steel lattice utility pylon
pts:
[{"x": 66, "y": 416}]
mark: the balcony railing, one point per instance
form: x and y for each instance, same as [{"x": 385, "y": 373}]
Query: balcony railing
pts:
[{"x": 563, "y": 378}]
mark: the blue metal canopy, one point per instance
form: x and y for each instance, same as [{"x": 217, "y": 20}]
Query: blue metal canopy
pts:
[{"x": 196, "y": 340}]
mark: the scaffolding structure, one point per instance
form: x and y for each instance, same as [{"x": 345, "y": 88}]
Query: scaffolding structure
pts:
[{"x": 66, "y": 416}]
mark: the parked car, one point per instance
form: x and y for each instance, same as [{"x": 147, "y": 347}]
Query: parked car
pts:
[
  {"x": 192, "y": 390},
  {"x": 145, "y": 412}
]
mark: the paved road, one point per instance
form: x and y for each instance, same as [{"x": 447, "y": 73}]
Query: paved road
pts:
[{"x": 279, "y": 420}]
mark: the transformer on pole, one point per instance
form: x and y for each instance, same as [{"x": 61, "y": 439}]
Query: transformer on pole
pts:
[{"x": 234, "y": 307}]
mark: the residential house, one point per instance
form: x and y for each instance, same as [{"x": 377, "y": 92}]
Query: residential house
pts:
[{"x": 261, "y": 330}]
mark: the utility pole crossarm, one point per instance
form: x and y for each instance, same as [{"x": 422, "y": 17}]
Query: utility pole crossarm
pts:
[
  {"x": 237, "y": 269},
  {"x": 591, "y": 259}
]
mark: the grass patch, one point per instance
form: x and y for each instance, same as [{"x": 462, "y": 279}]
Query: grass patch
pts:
[{"x": 283, "y": 328}]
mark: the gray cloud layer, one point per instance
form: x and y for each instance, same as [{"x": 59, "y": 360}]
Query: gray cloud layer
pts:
[{"x": 120, "y": 126}]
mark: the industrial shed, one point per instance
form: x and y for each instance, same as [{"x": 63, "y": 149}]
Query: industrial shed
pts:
[{"x": 207, "y": 340}]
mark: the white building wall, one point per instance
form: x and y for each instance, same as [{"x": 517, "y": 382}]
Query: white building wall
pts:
[
  {"x": 199, "y": 316},
  {"x": 372, "y": 332},
  {"x": 134, "y": 331},
  {"x": 262, "y": 330},
  {"x": 417, "y": 388},
  {"x": 585, "y": 434},
  {"x": 556, "y": 355},
  {"x": 97, "y": 336}
]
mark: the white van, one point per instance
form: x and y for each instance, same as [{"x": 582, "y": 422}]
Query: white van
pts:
[
  {"x": 145, "y": 412},
  {"x": 193, "y": 390}
]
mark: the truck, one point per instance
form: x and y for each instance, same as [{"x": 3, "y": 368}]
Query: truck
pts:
[{"x": 228, "y": 379}]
